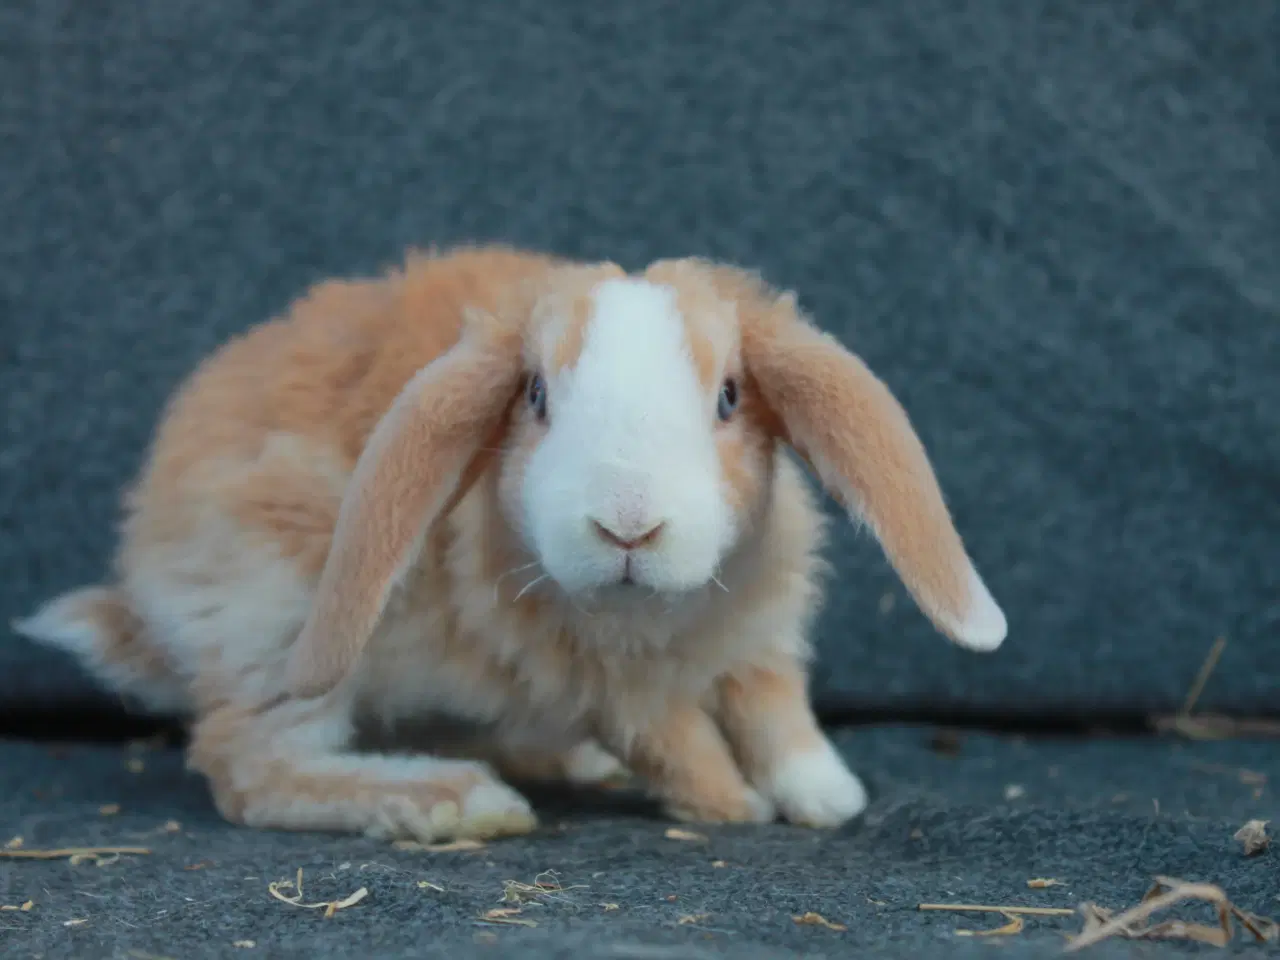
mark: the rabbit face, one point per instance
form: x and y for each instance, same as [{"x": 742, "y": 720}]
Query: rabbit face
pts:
[{"x": 635, "y": 468}]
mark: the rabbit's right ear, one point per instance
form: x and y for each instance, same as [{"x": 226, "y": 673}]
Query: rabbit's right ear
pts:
[{"x": 424, "y": 453}]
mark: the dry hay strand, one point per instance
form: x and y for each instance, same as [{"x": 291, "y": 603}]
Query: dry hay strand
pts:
[
  {"x": 812, "y": 919},
  {"x": 1208, "y": 726},
  {"x": 1202, "y": 677},
  {"x": 1253, "y": 835},
  {"x": 688, "y": 836},
  {"x": 1100, "y": 923},
  {"x": 995, "y": 908},
  {"x": 1204, "y": 726},
  {"x": 691, "y": 919},
  {"x": 1043, "y": 883},
  {"x": 545, "y": 886},
  {"x": 330, "y": 907},
  {"x": 509, "y": 916},
  {"x": 1013, "y": 914},
  {"x": 453, "y": 846},
  {"x": 101, "y": 856},
  {"x": 1014, "y": 926}
]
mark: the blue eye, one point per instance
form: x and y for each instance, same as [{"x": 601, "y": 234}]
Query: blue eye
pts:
[
  {"x": 537, "y": 395},
  {"x": 728, "y": 399}
]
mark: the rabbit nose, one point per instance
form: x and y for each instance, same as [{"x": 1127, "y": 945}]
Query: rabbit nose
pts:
[{"x": 628, "y": 540}]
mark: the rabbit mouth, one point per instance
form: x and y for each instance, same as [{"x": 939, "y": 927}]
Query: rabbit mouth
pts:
[{"x": 628, "y": 578}]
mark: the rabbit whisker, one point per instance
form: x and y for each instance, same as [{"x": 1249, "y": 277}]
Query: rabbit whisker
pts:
[
  {"x": 520, "y": 569},
  {"x": 530, "y": 585},
  {"x": 578, "y": 607}
]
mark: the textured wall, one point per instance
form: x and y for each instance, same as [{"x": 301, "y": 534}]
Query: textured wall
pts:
[{"x": 1053, "y": 228}]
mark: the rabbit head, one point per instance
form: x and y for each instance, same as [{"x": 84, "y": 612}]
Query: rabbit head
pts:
[
  {"x": 633, "y": 421},
  {"x": 633, "y": 465}
]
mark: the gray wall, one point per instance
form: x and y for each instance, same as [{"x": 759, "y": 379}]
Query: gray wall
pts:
[{"x": 1053, "y": 228}]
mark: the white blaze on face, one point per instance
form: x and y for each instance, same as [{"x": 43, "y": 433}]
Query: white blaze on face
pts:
[{"x": 630, "y": 447}]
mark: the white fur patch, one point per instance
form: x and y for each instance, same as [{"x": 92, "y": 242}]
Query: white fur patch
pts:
[
  {"x": 630, "y": 445},
  {"x": 65, "y": 624},
  {"x": 58, "y": 625},
  {"x": 984, "y": 627},
  {"x": 588, "y": 762},
  {"x": 494, "y": 803},
  {"x": 223, "y": 596},
  {"x": 815, "y": 788}
]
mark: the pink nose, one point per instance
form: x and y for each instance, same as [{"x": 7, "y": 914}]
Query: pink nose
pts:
[{"x": 627, "y": 543}]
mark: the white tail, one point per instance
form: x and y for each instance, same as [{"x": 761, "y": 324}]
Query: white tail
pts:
[{"x": 98, "y": 627}]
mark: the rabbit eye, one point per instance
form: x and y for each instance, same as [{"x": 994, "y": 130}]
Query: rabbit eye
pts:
[
  {"x": 537, "y": 396},
  {"x": 728, "y": 399}
]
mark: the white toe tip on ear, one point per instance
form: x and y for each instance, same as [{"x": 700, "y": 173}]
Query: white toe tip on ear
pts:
[{"x": 984, "y": 627}]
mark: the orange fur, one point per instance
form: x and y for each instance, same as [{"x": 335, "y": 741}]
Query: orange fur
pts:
[
  {"x": 569, "y": 343},
  {"x": 326, "y": 528},
  {"x": 710, "y": 328},
  {"x": 685, "y": 758},
  {"x": 559, "y": 326},
  {"x": 396, "y": 492},
  {"x": 843, "y": 419},
  {"x": 764, "y": 713}
]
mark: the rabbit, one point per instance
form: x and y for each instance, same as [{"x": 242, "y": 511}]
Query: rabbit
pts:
[{"x": 565, "y": 502}]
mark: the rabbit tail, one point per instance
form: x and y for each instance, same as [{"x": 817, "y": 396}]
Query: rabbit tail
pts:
[{"x": 98, "y": 626}]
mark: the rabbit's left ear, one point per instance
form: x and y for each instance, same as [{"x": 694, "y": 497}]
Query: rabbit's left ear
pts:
[
  {"x": 856, "y": 436},
  {"x": 425, "y": 452}
]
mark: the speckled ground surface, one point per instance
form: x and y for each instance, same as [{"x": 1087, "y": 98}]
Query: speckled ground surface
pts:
[{"x": 968, "y": 823}]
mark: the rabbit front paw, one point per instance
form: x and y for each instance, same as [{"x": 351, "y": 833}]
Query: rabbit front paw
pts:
[
  {"x": 423, "y": 812},
  {"x": 749, "y": 807},
  {"x": 814, "y": 788}
]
